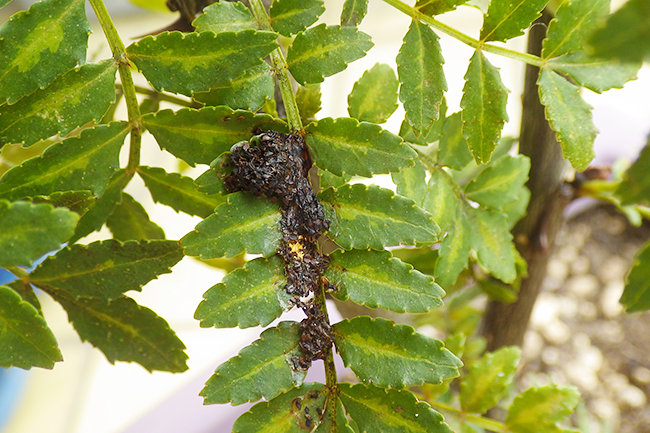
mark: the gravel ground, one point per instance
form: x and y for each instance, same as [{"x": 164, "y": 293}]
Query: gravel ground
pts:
[{"x": 580, "y": 335}]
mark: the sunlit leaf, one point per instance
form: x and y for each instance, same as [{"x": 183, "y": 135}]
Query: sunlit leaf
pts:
[
  {"x": 541, "y": 409},
  {"x": 374, "y": 96},
  {"x": 636, "y": 296},
  {"x": 262, "y": 370},
  {"x": 225, "y": 17},
  {"x": 130, "y": 221},
  {"x": 31, "y": 230},
  {"x": 25, "y": 339},
  {"x": 507, "y": 19},
  {"x": 289, "y": 17},
  {"x": 353, "y": 12}
]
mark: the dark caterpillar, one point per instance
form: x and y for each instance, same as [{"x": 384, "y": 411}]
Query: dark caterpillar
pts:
[{"x": 276, "y": 166}]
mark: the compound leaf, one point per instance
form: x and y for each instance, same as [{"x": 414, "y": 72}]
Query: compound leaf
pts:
[
  {"x": 325, "y": 50},
  {"x": 377, "y": 279},
  {"x": 194, "y": 62},
  {"x": 507, "y": 19},
  {"x": 484, "y": 107},
  {"x": 199, "y": 136},
  {"x": 243, "y": 223},
  {"x": 500, "y": 183},
  {"x": 374, "y": 96},
  {"x": 262, "y": 370},
  {"x": 31, "y": 230},
  {"x": 419, "y": 66},
  {"x": 104, "y": 270},
  {"x": 636, "y": 296},
  {"x": 85, "y": 162},
  {"x": 570, "y": 116},
  {"x": 488, "y": 380},
  {"x": 225, "y": 17},
  {"x": 179, "y": 192},
  {"x": 347, "y": 146},
  {"x": 289, "y": 17},
  {"x": 390, "y": 410},
  {"x": 390, "y": 355},
  {"x": 72, "y": 100},
  {"x": 541, "y": 409},
  {"x": 371, "y": 217},
  {"x": 130, "y": 221},
  {"x": 246, "y": 297},
  {"x": 353, "y": 12},
  {"x": 25, "y": 339},
  {"x": 125, "y": 331},
  {"x": 40, "y": 44}
]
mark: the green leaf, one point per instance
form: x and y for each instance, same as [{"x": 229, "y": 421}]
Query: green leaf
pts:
[
  {"x": 500, "y": 183},
  {"x": 126, "y": 331},
  {"x": 390, "y": 410},
  {"x": 325, "y": 50},
  {"x": 494, "y": 246},
  {"x": 374, "y": 96},
  {"x": 406, "y": 132},
  {"x": 248, "y": 296},
  {"x": 595, "y": 74},
  {"x": 289, "y": 17},
  {"x": 635, "y": 187},
  {"x": 104, "y": 270},
  {"x": 130, "y": 221},
  {"x": 539, "y": 410},
  {"x": 242, "y": 224},
  {"x": 96, "y": 216},
  {"x": 262, "y": 370},
  {"x": 26, "y": 292},
  {"x": 377, "y": 279},
  {"x": 371, "y": 217},
  {"x": 389, "y": 355},
  {"x": 453, "y": 150},
  {"x": 573, "y": 20},
  {"x": 334, "y": 418},
  {"x": 419, "y": 66},
  {"x": 570, "y": 116},
  {"x": 507, "y": 19},
  {"x": 488, "y": 380},
  {"x": 85, "y": 162},
  {"x": 287, "y": 413},
  {"x": 31, "y": 230},
  {"x": 199, "y": 136},
  {"x": 194, "y": 62},
  {"x": 211, "y": 181},
  {"x": 40, "y": 44},
  {"x": 347, "y": 146},
  {"x": 411, "y": 183},
  {"x": 636, "y": 296},
  {"x": 308, "y": 98},
  {"x": 626, "y": 34},
  {"x": 225, "y": 17},
  {"x": 179, "y": 192},
  {"x": 72, "y": 100},
  {"x": 484, "y": 107},
  {"x": 4, "y": 3},
  {"x": 437, "y": 7},
  {"x": 25, "y": 339},
  {"x": 248, "y": 91},
  {"x": 76, "y": 201},
  {"x": 353, "y": 12}
]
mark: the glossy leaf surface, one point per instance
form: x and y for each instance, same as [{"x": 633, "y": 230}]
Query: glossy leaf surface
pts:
[
  {"x": 243, "y": 224},
  {"x": 225, "y": 17},
  {"x": 289, "y": 17},
  {"x": 372, "y": 217},
  {"x": 374, "y": 96},
  {"x": 347, "y": 146},
  {"x": 325, "y": 50},
  {"x": 419, "y": 66},
  {"x": 636, "y": 296},
  {"x": 195, "y": 62},
  {"x": 25, "y": 339},
  {"x": 104, "y": 270},
  {"x": 377, "y": 279},
  {"x": 31, "y": 230},
  {"x": 507, "y": 19},
  {"x": 262, "y": 370},
  {"x": 353, "y": 12},
  {"x": 130, "y": 221},
  {"x": 248, "y": 296},
  {"x": 390, "y": 355},
  {"x": 541, "y": 409},
  {"x": 72, "y": 100},
  {"x": 40, "y": 44}
]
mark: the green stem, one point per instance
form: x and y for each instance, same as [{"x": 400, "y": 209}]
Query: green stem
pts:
[
  {"x": 119, "y": 54},
  {"x": 163, "y": 96},
  {"x": 281, "y": 70},
  {"x": 486, "y": 423},
  {"x": 462, "y": 37}
]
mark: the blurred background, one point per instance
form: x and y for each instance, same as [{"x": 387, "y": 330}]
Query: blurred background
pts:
[{"x": 86, "y": 394}]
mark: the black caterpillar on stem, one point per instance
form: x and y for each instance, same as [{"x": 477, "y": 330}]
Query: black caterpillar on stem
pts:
[{"x": 275, "y": 165}]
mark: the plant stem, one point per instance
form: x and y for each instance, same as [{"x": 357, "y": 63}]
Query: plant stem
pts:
[
  {"x": 119, "y": 54},
  {"x": 163, "y": 96},
  {"x": 281, "y": 70},
  {"x": 486, "y": 423},
  {"x": 462, "y": 37}
]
